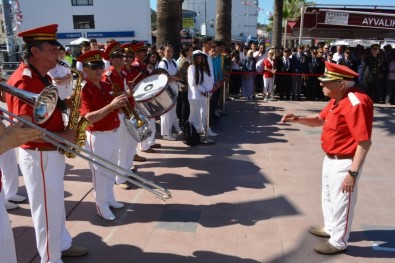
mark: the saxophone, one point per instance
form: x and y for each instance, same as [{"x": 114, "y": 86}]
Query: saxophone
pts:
[{"x": 76, "y": 123}]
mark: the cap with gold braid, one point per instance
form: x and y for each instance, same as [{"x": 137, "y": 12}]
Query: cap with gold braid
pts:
[
  {"x": 337, "y": 72},
  {"x": 113, "y": 49},
  {"x": 92, "y": 57},
  {"x": 128, "y": 48},
  {"x": 140, "y": 47},
  {"x": 44, "y": 33}
]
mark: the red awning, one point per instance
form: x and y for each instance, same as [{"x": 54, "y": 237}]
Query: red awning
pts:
[{"x": 349, "y": 23}]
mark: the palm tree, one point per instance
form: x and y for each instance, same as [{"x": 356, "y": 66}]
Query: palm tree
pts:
[
  {"x": 290, "y": 11},
  {"x": 168, "y": 24},
  {"x": 277, "y": 23},
  {"x": 224, "y": 21}
]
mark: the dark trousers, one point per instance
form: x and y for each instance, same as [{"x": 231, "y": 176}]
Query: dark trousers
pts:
[
  {"x": 182, "y": 109},
  {"x": 373, "y": 89},
  {"x": 283, "y": 87},
  {"x": 235, "y": 83},
  {"x": 259, "y": 83},
  {"x": 313, "y": 89},
  {"x": 214, "y": 104}
]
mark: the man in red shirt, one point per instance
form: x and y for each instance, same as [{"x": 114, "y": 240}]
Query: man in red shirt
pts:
[
  {"x": 346, "y": 138},
  {"x": 40, "y": 162},
  {"x": 100, "y": 107},
  {"x": 117, "y": 77}
]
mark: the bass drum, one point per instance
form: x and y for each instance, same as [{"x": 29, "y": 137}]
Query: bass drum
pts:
[{"x": 154, "y": 96}]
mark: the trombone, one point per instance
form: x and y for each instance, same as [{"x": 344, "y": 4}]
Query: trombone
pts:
[{"x": 61, "y": 143}]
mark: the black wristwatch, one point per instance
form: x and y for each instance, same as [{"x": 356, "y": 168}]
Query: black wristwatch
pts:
[{"x": 352, "y": 173}]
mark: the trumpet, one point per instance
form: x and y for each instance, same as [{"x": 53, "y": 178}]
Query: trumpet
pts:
[{"x": 43, "y": 104}]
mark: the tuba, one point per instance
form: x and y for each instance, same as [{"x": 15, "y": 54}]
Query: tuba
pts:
[
  {"x": 43, "y": 104},
  {"x": 76, "y": 123},
  {"x": 135, "y": 121}
]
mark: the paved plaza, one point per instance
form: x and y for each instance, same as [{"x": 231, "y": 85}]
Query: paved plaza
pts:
[{"x": 249, "y": 198}]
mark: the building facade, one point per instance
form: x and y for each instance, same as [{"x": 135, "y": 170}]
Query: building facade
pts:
[
  {"x": 244, "y": 18},
  {"x": 122, "y": 20}
]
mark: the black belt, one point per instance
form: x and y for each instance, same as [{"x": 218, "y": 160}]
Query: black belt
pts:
[{"x": 339, "y": 157}]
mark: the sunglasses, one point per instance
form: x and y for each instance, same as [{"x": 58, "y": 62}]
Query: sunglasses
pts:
[
  {"x": 96, "y": 67},
  {"x": 128, "y": 56}
]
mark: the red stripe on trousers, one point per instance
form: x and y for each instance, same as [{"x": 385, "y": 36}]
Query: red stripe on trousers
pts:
[{"x": 45, "y": 203}]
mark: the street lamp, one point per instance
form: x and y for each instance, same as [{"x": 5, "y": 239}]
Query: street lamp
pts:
[{"x": 205, "y": 17}]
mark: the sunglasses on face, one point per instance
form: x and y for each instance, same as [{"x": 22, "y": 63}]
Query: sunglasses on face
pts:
[
  {"x": 128, "y": 56},
  {"x": 96, "y": 67}
]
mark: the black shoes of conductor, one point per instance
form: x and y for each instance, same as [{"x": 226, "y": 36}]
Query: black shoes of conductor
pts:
[{"x": 74, "y": 251}]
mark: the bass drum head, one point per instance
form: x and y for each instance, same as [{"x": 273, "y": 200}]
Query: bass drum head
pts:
[{"x": 150, "y": 86}]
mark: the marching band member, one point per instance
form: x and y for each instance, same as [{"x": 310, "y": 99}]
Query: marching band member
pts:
[
  {"x": 40, "y": 162},
  {"x": 169, "y": 119},
  {"x": 100, "y": 107},
  {"x": 116, "y": 77},
  {"x": 149, "y": 144}
]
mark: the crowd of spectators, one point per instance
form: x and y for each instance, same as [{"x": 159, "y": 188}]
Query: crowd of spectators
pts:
[{"x": 296, "y": 70}]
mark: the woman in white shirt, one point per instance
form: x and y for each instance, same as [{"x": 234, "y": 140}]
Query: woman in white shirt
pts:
[
  {"x": 169, "y": 119},
  {"x": 200, "y": 85},
  {"x": 62, "y": 77}
]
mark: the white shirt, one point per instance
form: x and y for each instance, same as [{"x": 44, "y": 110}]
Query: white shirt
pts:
[
  {"x": 64, "y": 90},
  {"x": 195, "y": 90}
]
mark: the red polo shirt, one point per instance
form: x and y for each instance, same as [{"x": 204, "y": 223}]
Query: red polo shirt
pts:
[
  {"x": 346, "y": 124},
  {"x": 94, "y": 98},
  {"x": 26, "y": 79},
  {"x": 270, "y": 66}
]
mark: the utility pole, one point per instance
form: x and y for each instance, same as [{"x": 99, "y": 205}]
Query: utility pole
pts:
[{"x": 8, "y": 28}]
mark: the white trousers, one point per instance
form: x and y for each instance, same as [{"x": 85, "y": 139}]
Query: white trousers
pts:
[
  {"x": 337, "y": 207},
  {"x": 169, "y": 119},
  {"x": 268, "y": 85},
  {"x": 127, "y": 149},
  {"x": 9, "y": 169},
  {"x": 106, "y": 145},
  {"x": 43, "y": 173},
  {"x": 7, "y": 244},
  {"x": 146, "y": 144},
  {"x": 198, "y": 113}
]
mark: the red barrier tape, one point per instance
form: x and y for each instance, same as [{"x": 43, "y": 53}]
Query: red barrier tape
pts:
[{"x": 277, "y": 73}]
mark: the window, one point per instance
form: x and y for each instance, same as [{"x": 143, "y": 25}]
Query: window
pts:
[
  {"x": 84, "y": 22},
  {"x": 81, "y": 2}
]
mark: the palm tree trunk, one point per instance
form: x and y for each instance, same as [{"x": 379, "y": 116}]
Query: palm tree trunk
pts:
[
  {"x": 277, "y": 23},
  {"x": 223, "y": 29},
  {"x": 169, "y": 24}
]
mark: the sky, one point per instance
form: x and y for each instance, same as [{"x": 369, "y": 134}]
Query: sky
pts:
[{"x": 267, "y": 5}]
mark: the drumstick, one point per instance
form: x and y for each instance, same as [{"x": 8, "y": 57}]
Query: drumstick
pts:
[
  {"x": 132, "y": 82},
  {"x": 138, "y": 75}
]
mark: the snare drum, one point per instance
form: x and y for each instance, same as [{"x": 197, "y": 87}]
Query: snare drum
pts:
[{"x": 154, "y": 96}]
